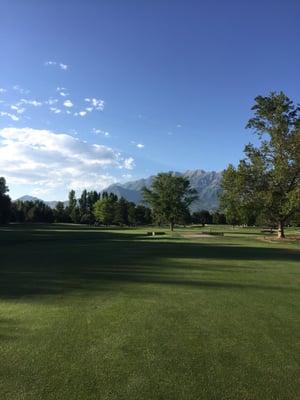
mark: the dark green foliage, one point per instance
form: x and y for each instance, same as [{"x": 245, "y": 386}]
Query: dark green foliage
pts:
[
  {"x": 169, "y": 198},
  {"x": 121, "y": 212},
  {"x": 219, "y": 218},
  {"x": 266, "y": 183},
  {"x": 5, "y": 202},
  {"x": 61, "y": 213},
  {"x": 31, "y": 211},
  {"x": 202, "y": 217}
]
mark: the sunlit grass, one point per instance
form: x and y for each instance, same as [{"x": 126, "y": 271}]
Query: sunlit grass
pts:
[{"x": 89, "y": 313}]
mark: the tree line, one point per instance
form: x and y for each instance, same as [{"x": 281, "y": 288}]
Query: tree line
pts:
[
  {"x": 90, "y": 208},
  {"x": 105, "y": 208}
]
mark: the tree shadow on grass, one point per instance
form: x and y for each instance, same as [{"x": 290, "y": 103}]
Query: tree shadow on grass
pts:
[{"x": 44, "y": 262}]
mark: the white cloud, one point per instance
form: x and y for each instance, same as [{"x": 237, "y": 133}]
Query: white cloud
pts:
[
  {"x": 50, "y": 161},
  {"x": 80, "y": 113},
  {"x": 55, "y": 110},
  {"x": 17, "y": 108},
  {"x": 9, "y": 115},
  {"x": 100, "y": 132},
  {"x": 19, "y": 89},
  {"x": 68, "y": 103},
  {"x": 63, "y": 94},
  {"x": 51, "y": 101},
  {"x": 96, "y": 104},
  {"x": 50, "y": 63},
  {"x": 56, "y": 64},
  {"x": 33, "y": 103},
  {"x": 2, "y": 90},
  {"x": 178, "y": 126},
  {"x": 140, "y": 145},
  {"x": 129, "y": 163}
]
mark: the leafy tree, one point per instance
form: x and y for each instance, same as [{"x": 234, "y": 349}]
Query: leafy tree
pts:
[
  {"x": 104, "y": 209},
  {"x": 132, "y": 220},
  {"x": 268, "y": 178},
  {"x": 202, "y": 217},
  {"x": 142, "y": 215},
  {"x": 31, "y": 211},
  {"x": 169, "y": 197},
  {"x": 5, "y": 202},
  {"x": 121, "y": 212},
  {"x": 218, "y": 218}
]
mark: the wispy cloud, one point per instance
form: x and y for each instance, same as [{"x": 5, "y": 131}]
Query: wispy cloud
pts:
[
  {"x": 17, "y": 108},
  {"x": 2, "y": 90},
  {"x": 100, "y": 132},
  {"x": 33, "y": 103},
  {"x": 138, "y": 145},
  {"x": 80, "y": 114},
  {"x": 97, "y": 104},
  {"x": 13, "y": 117},
  {"x": 19, "y": 89},
  {"x": 55, "y": 110},
  {"x": 51, "y": 101},
  {"x": 56, "y": 64}
]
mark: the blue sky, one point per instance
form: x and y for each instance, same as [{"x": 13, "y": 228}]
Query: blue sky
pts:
[{"x": 94, "y": 92}]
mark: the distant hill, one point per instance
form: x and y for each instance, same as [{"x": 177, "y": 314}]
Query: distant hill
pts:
[{"x": 207, "y": 185}]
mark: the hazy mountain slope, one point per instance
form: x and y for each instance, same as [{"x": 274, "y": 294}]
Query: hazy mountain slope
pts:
[{"x": 207, "y": 185}]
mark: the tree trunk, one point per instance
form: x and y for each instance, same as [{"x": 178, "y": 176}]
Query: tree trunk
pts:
[
  {"x": 172, "y": 226},
  {"x": 281, "y": 234}
]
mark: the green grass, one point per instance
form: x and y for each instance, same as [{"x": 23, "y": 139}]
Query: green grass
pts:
[{"x": 92, "y": 314}]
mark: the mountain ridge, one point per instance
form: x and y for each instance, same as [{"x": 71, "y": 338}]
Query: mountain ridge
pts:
[{"x": 207, "y": 184}]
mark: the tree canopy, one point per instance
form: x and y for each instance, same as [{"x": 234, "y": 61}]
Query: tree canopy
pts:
[
  {"x": 266, "y": 183},
  {"x": 5, "y": 202},
  {"x": 169, "y": 197}
]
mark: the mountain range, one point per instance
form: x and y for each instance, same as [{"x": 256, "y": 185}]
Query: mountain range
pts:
[{"x": 207, "y": 184}]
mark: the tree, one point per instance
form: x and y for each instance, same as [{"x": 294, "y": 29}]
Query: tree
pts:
[
  {"x": 142, "y": 215},
  {"x": 60, "y": 213},
  {"x": 132, "y": 214},
  {"x": 5, "y": 202},
  {"x": 202, "y": 217},
  {"x": 218, "y": 218},
  {"x": 169, "y": 197},
  {"x": 83, "y": 204},
  {"x": 73, "y": 210},
  {"x": 121, "y": 212},
  {"x": 266, "y": 183},
  {"x": 104, "y": 209}
]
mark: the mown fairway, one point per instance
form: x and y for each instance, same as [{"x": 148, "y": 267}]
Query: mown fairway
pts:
[{"x": 109, "y": 314}]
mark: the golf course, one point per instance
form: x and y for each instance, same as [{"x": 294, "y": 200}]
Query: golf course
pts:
[{"x": 94, "y": 313}]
